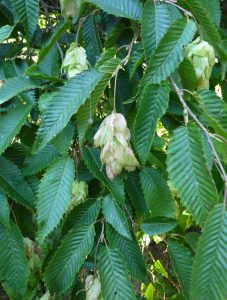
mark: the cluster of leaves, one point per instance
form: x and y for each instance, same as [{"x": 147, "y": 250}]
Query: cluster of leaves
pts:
[{"x": 159, "y": 232}]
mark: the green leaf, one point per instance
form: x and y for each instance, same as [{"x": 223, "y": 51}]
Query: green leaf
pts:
[
  {"x": 131, "y": 253},
  {"x": 135, "y": 192},
  {"x": 85, "y": 213},
  {"x": 91, "y": 40},
  {"x": 54, "y": 195},
  {"x": 69, "y": 257},
  {"x": 93, "y": 163},
  {"x": 187, "y": 75},
  {"x": 169, "y": 52},
  {"x": 28, "y": 12},
  {"x": 209, "y": 275},
  {"x": 189, "y": 173},
  {"x": 14, "y": 86},
  {"x": 5, "y": 32},
  {"x": 158, "y": 225},
  {"x": 153, "y": 106},
  {"x": 215, "y": 109},
  {"x": 35, "y": 163},
  {"x": 13, "y": 183},
  {"x": 136, "y": 59},
  {"x": 113, "y": 274},
  {"x": 4, "y": 209},
  {"x": 131, "y": 9},
  {"x": 11, "y": 123},
  {"x": 63, "y": 139},
  {"x": 192, "y": 239},
  {"x": 59, "y": 112},
  {"x": 213, "y": 8},
  {"x": 157, "y": 194},
  {"x": 156, "y": 20},
  {"x": 59, "y": 30},
  {"x": 208, "y": 28},
  {"x": 13, "y": 264},
  {"x": 87, "y": 111},
  {"x": 182, "y": 261},
  {"x": 115, "y": 216}
]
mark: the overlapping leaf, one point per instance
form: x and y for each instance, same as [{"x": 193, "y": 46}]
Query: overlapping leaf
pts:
[
  {"x": 13, "y": 264},
  {"x": 209, "y": 275},
  {"x": 86, "y": 111},
  {"x": 182, "y": 261},
  {"x": 114, "y": 275},
  {"x": 189, "y": 173},
  {"x": 14, "y": 86},
  {"x": 153, "y": 106},
  {"x": 69, "y": 257},
  {"x": 156, "y": 192},
  {"x": 156, "y": 20},
  {"x": 4, "y": 208},
  {"x": 169, "y": 52},
  {"x": 85, "y": 213},
  {"x": 12, "y": 181},
  {"x": 131, "y": 9},
  {"x": 209, "y": 30},
  {"x": 158, "y": 225},
  {"x": 34, "y": 163},
  {"x": 59, "y": 112},
  {"x": 92, "y": 161},
  {"x": 115, "y": 216},
  {"x": 28, "y": 12},
  {"x": 54, "y": 195},
  {"x": 131, "y": 253},
  {"x": 5, "y": 32},
  {"x": 11, "y": 123},
  {"x": 215, "y": 109}
]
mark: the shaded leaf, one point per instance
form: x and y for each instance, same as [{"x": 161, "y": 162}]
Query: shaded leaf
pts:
[
  {"x": 11, "y": 123},
  {"x": 69, "y": 257},
  {"x": 115, "y": 216},
  {"x": 13, "y": 183},
  {"x": 189, "y": 174},
  {"x": 158, "y": 225},
  {"x": 114, "y": 275},
  {"x": 209, "y": 273},
  {"x": 157, "y": 194},
  {"x": 54, "y": 195}
]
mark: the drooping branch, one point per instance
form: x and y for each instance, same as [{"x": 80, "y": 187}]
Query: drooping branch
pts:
[{"x": 220, "y": 166}]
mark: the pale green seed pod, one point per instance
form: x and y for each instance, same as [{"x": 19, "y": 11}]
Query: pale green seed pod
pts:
[
  {"x": 75, "y": 60},
  {"x": 113, "y": 137},
  {"x": 70, "y": 8},
  {"x": 202, "y": 57},
  {"x": 79, "y": 194},
  {"x": 92, "y": 287}
]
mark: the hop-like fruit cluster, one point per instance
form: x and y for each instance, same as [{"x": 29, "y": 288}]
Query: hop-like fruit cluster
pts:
[
  {"x": 92, "y": 287},
  {"x": 113, "y": 137},
  {"x": 202, "y": 57},
  {"x": 70, "y": 8},
  {"x": 75, "y": 60},
  {"x": 79, "y": 194}
]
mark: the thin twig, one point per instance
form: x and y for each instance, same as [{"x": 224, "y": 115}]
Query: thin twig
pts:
[
  {"x": 202, "y": 127},
  {"x": 101, "y": 237},
  {"x": 120, "y": 66},
  {"x": 154, "y": 285},
  {"x": 51, "y": 26},
  {"x": 186, "y": 12},
  {"x": 131, "y": 219}
]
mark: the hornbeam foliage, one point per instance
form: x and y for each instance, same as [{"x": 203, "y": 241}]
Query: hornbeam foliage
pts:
[{"x": 113, "y": 149}]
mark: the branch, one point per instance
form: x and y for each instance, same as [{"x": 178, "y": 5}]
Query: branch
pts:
[
  {"x": 220, "y": 168},
  {"x": 122, "y": 64},
  {"x": 51, "y": 26}
]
